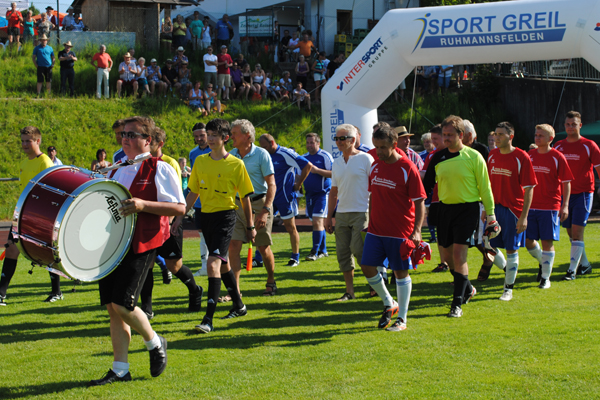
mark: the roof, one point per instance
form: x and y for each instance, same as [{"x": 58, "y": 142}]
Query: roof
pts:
[{"x": 78, "y": 3}]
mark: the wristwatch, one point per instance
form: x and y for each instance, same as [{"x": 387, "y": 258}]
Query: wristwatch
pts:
[
  {"x": 267, "y": 208},
  {"x": 249, "y": 228}
]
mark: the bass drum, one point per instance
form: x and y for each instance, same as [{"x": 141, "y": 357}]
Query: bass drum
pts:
[{"x": 67, "y": 218}]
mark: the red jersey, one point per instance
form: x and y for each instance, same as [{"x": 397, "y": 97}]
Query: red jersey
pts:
[
  {"x": 394, "y": 188},
  {"x": 13, "y": 18},
  {"x": 223, "y": 69},
  {"x": 551, "y": 170},
  {"x": 583, "y": 156},
  {"x": 509, "y": 174},
  {"x": 373, "y": 153},
  {"x": 434, "y": 194}
]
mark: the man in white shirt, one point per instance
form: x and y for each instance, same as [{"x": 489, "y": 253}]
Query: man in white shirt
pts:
[
  {"x": 210, "y": 67},
  {"x": 349, "y": 185},
  {"x": 301, "y": 96},
  {"x": 52, "y": 155},
  {"x": 127, "y": 71}
]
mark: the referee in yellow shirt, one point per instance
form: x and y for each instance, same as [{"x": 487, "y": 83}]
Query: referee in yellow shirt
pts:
[{"x": 216, "y": 178}]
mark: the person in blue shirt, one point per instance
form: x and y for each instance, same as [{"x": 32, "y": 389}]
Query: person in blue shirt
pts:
[
  {"x": 43, "y": 59},
  {"x": 223, "y": 26},
  {"x": 201, "y": 140},
  {"x": 286, "y": 162},
  {"x": 359, "y": 146},
  {"x": 317, "y": 186}
]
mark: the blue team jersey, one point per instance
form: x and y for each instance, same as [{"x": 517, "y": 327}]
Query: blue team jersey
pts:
[
  {"x": 316, "y": 183},
  {"x": 194, "y": 153},
  {"x": 285, "y": 163},
  {"x": 364, "y": 148},
  {"x": 119, "y": 155}
]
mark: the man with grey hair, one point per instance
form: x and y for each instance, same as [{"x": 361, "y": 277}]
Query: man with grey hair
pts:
[
  {"x": 427, "y": 145},
  {"x": 470, "y": 139},
  {"x": 349, "y": 185},
  {"x": 103, "y": 65},
  {"x": 262, "y": 174}
]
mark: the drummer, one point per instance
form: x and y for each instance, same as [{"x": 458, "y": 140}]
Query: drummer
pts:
[
  {"x": 156, "y": 196},
  {"x": 36, "y": 162}
]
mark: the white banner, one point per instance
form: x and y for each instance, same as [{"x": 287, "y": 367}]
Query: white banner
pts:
[{"x": 256, "y": 26}]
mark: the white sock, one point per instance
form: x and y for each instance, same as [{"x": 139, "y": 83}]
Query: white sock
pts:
[
  {"x": 547, "y": 263},
  {"x": 203, "y": 251},
  {"x": 576, "y": 252},
  {"x": 536, "y": 252},
  {"x": 499, "y": 260},
  {"x": 512, "y": 267},
  {"x": 383, "y": 271},
  {"x": 377, "y": 284},
  {"x": 584, "y": 260},
  {"x": 153, "y": 343},
  {"x": 120, "y": 368},
  {"x": 403, "y": 288}
]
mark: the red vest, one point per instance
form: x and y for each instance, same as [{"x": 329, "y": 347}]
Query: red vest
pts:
[{"x": 151, "y": 230}]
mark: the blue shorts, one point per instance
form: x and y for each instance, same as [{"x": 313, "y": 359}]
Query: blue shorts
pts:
[
  {"x": 444, "y": 81},
  {"x": 316, "y": 204},
  {"x": 508, "y": 238},
  {"x": 287, "y": 208},
  {"x": 580, "y": 206},
  {"x": 543, "y": 225},
  {"x": 378, "y": 248}
]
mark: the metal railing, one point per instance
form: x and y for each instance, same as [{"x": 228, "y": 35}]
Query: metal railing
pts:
[{"x": 579, "y": 69}]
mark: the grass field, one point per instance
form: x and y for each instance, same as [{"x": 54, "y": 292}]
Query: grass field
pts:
[{"x": 302, "y": 344}]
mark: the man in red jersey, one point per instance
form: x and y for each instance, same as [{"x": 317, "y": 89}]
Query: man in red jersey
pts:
[
  {"x": 583, "y": 156},
  {"x": 396, "y": 192},
  {"x": 552, "y": 172},
  {"x": 512, "y": 179}
]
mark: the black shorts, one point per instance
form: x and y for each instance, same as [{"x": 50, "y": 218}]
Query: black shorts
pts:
[
  {"x": 457, "y": 224},
  {"x": 124, "y": 284},
  {"x": 172, "y": 249},
  {"x": 217, "y": 229},
  {"x": 13, "y": 31},
  {"x": 433, "y": 217},
  {"x": 197, "y": 212},
  {"x": 44, "y": 73}
]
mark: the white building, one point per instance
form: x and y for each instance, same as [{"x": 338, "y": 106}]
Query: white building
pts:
[{"x": 326, "y": 18}]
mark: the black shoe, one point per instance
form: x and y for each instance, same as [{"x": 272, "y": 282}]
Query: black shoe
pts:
[
  {"x": 167, "y": 276},
  {"x": 110, "y": 377},
  {"x": 149, "y": 314},
  {"x": 539, "y": 275},
  {"x": 2, "y": 300},
  {"x": 236, "y": 312},
  {"x": 442, "y": 267},
  {"x": 584, "y": 270},
  {"x": 196, "y": 300},
  {"x": 569, "y": 276},
  {"x": 256, "y": 263},
  {"x": 455, "y": 312},
  {"x": 158, "y": 358}
]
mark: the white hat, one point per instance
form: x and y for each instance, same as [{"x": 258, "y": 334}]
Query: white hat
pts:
[{"x": 180, "y": 48}]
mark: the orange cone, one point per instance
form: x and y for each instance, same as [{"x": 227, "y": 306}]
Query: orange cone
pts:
[{"x": 249, "y": 259}]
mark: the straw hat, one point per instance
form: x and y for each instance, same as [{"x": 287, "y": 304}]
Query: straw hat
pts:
[
  {"x": 68, "y": 44},
  {"x": 43, "y": 37},
  {"x": 401, "y": 131}
]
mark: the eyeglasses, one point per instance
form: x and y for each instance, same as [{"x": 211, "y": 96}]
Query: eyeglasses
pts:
[
  {"x": 209, "y": 87},
  {"x": 341, "y": 138},
  {"x": 133, "y": 135}
]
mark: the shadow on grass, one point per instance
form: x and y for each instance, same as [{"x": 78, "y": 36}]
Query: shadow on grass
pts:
[{"x": 18, "y": 392}]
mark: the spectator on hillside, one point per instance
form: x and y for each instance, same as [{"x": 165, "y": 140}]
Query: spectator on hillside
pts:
[
  {"x": 171, "y": 77},
  {"x": 188, "y": 32},
  {"x": 142, "y": 75},
  {"x": 179, "y": 29},
  {"x": 68, "y": 20},
  {"x": 154, "y": 77},
  {"x": 44, "y": 26},
  {"x": 427, "y": 144},
  {"x": 43, "y": 59},
  {"x": 258, "y": 81},
  {"x": 223, "y": 27},
  {"x": 103, "y": 65},
  {"x": 127, "y": 72},
  {"x": 195, "y": 97},
  {"x": 335, "y": 64},
  {"x": 241, "y": 61},
  {"x": 179, "y": 58},
  {"x": 67, "y": 73},
  {"x": 319, "y": 71},
  {"x": 28, "y": 23},
  {"x": 247, "y": 79},
  {"x": 210, "y": 99},
  {"x": 196, "y": 27},
  {"x": 286, "y": 82},
  {"x": 306, "y": 46},
  {"x": 100, "y": 161},
  {"x": 14, "y": 18},
  {"x": 444, "y": 77},
  {"x": 237, "y": 83},
  {"x": 206, "y": 34},
  {"x": 302, "y": 69},
  {"x": 166, "y": 33},
  {"x": 285, "y": 40},
  {"x": 185, "y": 75},
  {"x": 131, "y": 52},
  {"x": 224, "y": 61},
  {"x": 422, "y": 82},
  {"x": 210, "y": 67},
  {"x": 52, "y": 155},
  {"x": 77, "y": 24},
  {"x": 270, "y": 88},
  {"x": 431, "y": 74},
  {"x": 491, "y": 141},
  {"x": 293, "y": 48},
  {"x": 301, "y": 96},
  {"x": 51, "y": 17}
]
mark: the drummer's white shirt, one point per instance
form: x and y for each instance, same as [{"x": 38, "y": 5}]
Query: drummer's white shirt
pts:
[{"x": 166, "y": 179}]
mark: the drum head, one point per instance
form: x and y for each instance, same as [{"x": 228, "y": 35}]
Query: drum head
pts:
[{"x": 93, "y": 237}]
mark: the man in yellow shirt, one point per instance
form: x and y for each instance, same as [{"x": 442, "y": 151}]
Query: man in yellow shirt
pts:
[
  {"x": 36, "y": 162},
  {"x": 216, "y": 178}
]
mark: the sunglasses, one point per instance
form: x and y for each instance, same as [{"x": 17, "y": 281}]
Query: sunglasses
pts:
[
  {"x": 341, "y": 138},
  {"x": 133, "y": 135}
]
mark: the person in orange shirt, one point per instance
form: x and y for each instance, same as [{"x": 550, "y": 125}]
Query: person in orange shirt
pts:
[{"x": 306, "y": 46}]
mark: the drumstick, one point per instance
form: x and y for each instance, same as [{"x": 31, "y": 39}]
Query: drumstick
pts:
[
  {"x": 249, "y": 259},
  {"x": 124, "y": 164},
  {"x": 8, "y": 179}
]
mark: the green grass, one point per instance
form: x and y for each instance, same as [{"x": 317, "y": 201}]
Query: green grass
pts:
[{"x": 303, "y": 344}]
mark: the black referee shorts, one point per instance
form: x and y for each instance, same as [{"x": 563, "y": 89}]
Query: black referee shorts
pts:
[
  {"x": 217, "y": 229},
  {"x": 457, "y": 224},
  {"x": 433, "y": 217},
  {"x": 172, "y": 249}
]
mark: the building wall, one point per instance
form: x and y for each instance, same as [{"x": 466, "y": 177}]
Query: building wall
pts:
[
  {"x": 142, "y": 19},
  {"x": 95, "y": 14}
]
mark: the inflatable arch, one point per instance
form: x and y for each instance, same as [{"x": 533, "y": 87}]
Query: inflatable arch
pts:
[{"x": 524, "y": 30}]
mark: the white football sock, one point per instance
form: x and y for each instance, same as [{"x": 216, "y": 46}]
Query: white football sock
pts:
[
  {"x": 120, "y": 368},
  {"x": 547, "y": 263},
  {"x": 203, "y": 251},
  {"x": 584, "y": 260},
  {"x": 576, "y": 251},
  {"x": 153, "y": 343},
  {"x": 377, "y": 284},
  {"x": 383, "y": 271},
  {"x": 536, "y": 252},
  {"x": 512, "y": 267},
  {"x": 403, "y": 289},
  {"x": 499, "y": 260}
]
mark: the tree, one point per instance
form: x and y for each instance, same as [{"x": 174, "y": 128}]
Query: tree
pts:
[{"x": 34, "y": 10}]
